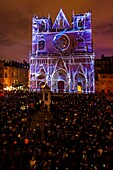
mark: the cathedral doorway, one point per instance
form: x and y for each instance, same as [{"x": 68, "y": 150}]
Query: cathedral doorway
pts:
[
  {"x": 61, "y": 86},
  {"x": 60, "y": 81},
  {"x": 79, "y": 87},
  {"x": 80, "y": 83}
]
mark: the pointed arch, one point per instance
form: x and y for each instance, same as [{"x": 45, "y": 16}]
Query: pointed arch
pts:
[
  {"x": 79, "y": 82},
  {"x": 80, "y": 69},
  {"x": 60, "y": 80}
]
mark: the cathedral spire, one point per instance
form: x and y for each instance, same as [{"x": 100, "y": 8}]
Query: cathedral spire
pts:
[
  {"x": 49, "y": 16},
  {"x": 73, "y": 13}
]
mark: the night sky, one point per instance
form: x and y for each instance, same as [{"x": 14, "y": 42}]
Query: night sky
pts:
[{"x": 16, "y": 22}]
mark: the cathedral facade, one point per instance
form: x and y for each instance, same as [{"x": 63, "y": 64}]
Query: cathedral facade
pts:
[{"x": 62, "y": 54}]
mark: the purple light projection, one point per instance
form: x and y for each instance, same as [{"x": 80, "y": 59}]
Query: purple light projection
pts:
[{"x": 62, "y": 54}]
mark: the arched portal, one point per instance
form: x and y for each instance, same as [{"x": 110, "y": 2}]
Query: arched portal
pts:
[
  {"x": 80, "y": 83},
  {"x": 79, "y": 87},
  {"x": 61, "y": 86},
  {"x": 60, "y": 80},
  {"x": 41, "y": 79}
]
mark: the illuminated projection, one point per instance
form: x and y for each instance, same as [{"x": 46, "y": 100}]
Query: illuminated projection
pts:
[{"x": 62, "y": 54}]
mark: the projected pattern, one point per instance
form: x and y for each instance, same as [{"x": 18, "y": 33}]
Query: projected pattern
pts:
[{"x": 62, "y": 54}]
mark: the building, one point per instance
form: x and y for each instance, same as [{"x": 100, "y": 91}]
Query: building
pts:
[
  {"x": 14, "y": 74},
  {"x": 1, "y": 74},
  {"x": 104, "y": 74},
  {"x": 62, "y": 54}
]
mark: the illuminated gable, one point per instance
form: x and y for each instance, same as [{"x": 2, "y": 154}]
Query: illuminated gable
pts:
[{"x": 61, "y": 21}]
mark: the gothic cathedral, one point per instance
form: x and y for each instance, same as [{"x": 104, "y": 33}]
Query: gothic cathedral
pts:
[{"x": 62, "y": 54}]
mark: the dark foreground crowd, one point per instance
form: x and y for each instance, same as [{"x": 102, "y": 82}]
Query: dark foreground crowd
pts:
[{"x": 78, "y": 137}]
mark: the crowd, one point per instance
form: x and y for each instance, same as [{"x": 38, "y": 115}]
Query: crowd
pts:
[
  {"x": 16, "y": 109},
  {"x": 78, "y": 137}
]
